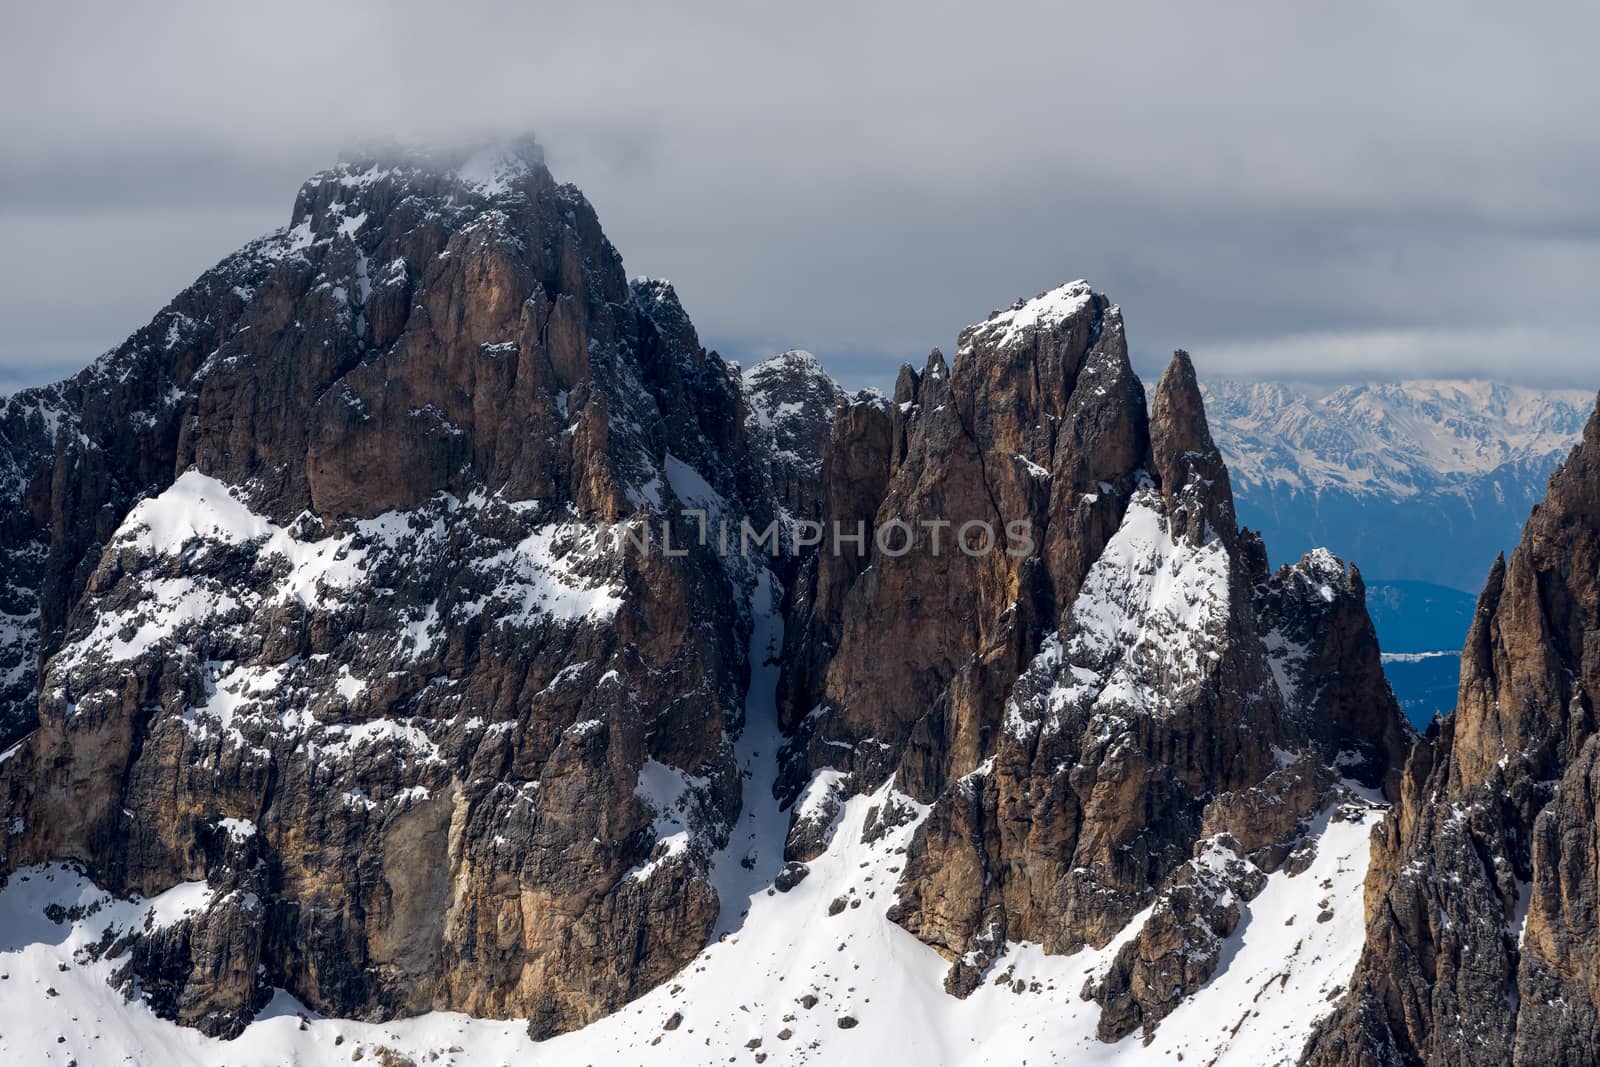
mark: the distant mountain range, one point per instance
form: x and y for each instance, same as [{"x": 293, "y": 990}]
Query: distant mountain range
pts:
[
  {"x": 1416, "y": 481},
  {"x": 1421, "y": 483}
]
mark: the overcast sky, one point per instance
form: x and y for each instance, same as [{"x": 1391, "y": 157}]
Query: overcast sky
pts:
[{"x": 1304, "y": 191}]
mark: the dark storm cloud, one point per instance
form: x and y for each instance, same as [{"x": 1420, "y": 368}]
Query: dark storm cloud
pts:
[{"x": 1329, "y": 191}]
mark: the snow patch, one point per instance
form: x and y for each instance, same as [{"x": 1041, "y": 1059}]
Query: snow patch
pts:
[{"x": 1026, "y": 318}]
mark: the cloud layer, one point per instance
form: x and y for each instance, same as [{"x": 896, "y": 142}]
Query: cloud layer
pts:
[{"x": 1352, "y": 190}]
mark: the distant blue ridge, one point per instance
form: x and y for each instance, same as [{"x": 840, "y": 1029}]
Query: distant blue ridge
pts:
[{"x": 1420, "y": 617}]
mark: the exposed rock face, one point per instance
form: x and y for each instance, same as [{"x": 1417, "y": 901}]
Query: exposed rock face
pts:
[
  {"x": 830, "y": 460},
  {"x": 1004, "y": 441},
  {"x": 856, "y": 467},
  {"x": 1481, "y": 901},
  {"x": 1321, "y": 641},
  {"x": 28, "y": 423},
  {"x": 327, "y": 600},
  {"x": 75, "y": 456},
  {"x": 792, "y": 399},
  {"x": 1091, "y": 714},
  {"x": 369, "y": 607}
]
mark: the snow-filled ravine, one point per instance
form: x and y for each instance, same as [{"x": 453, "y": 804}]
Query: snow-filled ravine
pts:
[{"x": 813, "y": 976}]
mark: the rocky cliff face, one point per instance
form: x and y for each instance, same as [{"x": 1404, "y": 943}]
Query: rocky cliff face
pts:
[
  {"x": 791, "y": 404},
  {"x": 385, "y": 469},
  {"x": 374, "y": 600},
  {"x": 1100, "y": 717},
  {"x": 77, "y": 455},
  {"x": 1481, "y": 902}
]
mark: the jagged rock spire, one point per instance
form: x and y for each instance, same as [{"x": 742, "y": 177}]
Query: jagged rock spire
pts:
[{"x": 1187, "y": 462}]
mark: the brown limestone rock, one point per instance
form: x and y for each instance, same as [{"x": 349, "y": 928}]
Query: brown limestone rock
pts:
[
  {"x": 1090, "y": 781},
  {"x": 1481, "y": 936},
  {"x": 1325, "y": 653},
  {"x": 365, "y": 608}
]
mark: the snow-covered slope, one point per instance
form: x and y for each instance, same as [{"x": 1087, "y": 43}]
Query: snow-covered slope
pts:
[
  {"x": 746, "y": 995},
  {"x": 816, "y": 975}
]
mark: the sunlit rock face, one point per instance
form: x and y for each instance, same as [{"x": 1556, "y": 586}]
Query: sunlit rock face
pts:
[{"x": 1101, "y": 720}]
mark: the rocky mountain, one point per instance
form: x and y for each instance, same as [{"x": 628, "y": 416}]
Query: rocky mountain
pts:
[
  {"x": 298, "y": 538},
  {"x": 792, "y": 401},
  {"x": 1072, "y": 714},
  {"x": 1481, "y": 902},
  {"x": 1420, "y": 480},
  {"x": 415, "y": 619}
]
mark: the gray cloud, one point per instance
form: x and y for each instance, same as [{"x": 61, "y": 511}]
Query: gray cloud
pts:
[{"x": 1352, "y": 190}]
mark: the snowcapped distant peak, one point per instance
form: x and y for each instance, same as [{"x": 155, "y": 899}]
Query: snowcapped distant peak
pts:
[{"x": 1390, "y": 438}]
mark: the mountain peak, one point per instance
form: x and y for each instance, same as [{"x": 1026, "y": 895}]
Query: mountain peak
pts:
[
  {"x": 793, "y": 361},
  {"x": 792, "y": 399},
  {"x": 1186, "y": 458},
  {"x": 452, "y": 183},
  {"x": 1179, "y": 387},
  {"x": 476, "y": 162},
  {"x": 1012, "y": 326}
]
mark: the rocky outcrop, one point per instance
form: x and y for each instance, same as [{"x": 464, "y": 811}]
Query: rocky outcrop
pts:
[
  {"x": 1246, "y": 835},
  {"x": 1085, "y": 713},
  {"x": 791, "y": 402},
  {"x": 29, "y": 421},
  {"x": 1481, "y": 913},
  {"x": 1325, "y": 653},
  {"x": 378, "y": 601},
  {"x": 855, "y": 469},
  {"x": 1154, "y": 693},
  {"x": 1004, "y": 447},
  {"x": 75, "y": 456},
  {"x": 373, "y": 604}
]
